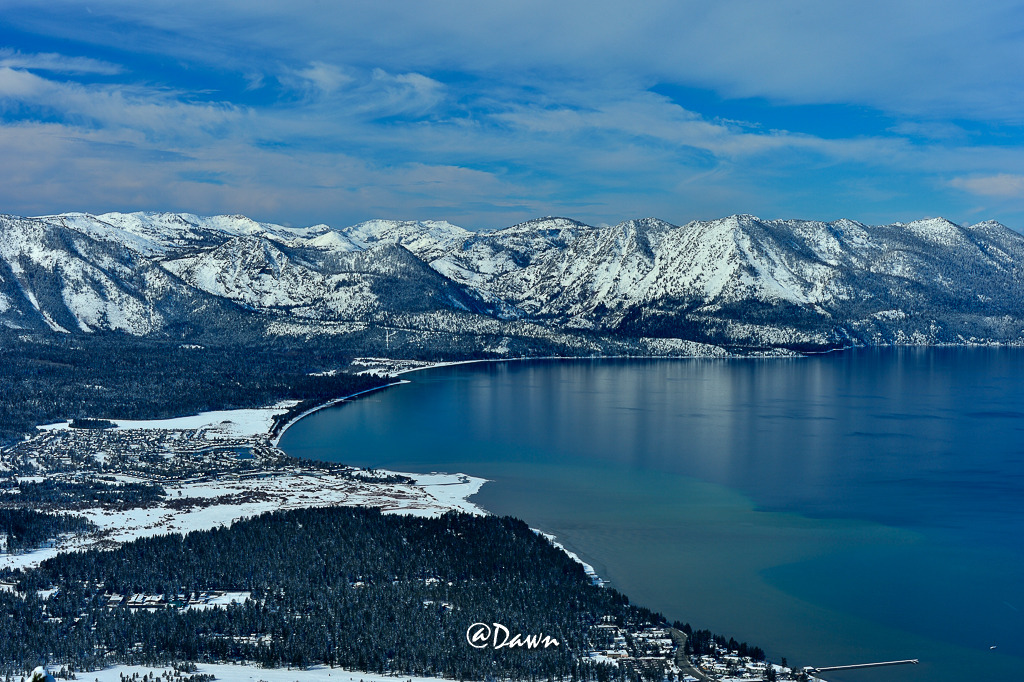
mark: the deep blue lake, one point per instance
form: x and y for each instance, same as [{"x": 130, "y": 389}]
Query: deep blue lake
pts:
[{"x": 844, "y": 508}]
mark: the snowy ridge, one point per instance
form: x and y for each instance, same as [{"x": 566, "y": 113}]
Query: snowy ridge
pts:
[
  {"x": 428, "y": 239},
  {"x": 734, "y": 281}
]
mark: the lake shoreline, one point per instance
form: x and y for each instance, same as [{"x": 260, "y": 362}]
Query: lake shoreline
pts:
[
  {"x": 856, "y": 407},
  {"x": 462, "y": 501}
]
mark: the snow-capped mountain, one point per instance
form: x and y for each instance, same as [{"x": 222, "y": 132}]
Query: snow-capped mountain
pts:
[
  {"x": 57, "y": 278},
  {"x": 738, "y": 281},
  {"x": 742, "y": 280}
]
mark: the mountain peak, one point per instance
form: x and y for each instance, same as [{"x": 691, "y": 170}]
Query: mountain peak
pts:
[{"x": 546, "y": 223}]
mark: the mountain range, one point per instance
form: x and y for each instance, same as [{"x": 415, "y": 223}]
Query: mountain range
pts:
[{"x": 551, "y": 285}]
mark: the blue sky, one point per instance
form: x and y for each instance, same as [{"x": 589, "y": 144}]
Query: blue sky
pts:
[{"x": 487, "y": 114}]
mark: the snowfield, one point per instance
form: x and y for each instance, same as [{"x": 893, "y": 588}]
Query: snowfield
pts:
[
  {"x": 221, "y": 423},
  {"x": 225, "y": 501},
  {"x": 226, "y": 672}
]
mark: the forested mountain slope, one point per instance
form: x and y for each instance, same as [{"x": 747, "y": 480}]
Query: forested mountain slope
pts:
[{"x": 548, "y": 285}]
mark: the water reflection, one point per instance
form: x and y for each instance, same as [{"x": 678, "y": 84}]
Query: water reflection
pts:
[{"x": 841, "y": 506}]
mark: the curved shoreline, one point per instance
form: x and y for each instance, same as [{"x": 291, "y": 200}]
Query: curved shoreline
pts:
[
  {"x": 279, "y": 432},
  {"x": 418, "y": 477},
  {"x": 275, "y": 439}
]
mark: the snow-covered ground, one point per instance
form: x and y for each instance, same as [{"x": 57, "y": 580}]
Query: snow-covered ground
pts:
[
  {"x": 587, "y": 568},
  {"x": 220, "y": 503},
  {"x": 222, "y": 600},
  {"x": 226, "y": 672},
  {"x": 220, "y": 423},
  {"x": 395, "y": 367}
]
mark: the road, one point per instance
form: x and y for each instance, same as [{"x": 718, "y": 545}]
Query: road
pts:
[{"x": 679, "y": 639}]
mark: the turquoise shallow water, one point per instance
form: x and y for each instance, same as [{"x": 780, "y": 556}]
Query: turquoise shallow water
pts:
[{"x": 845, "y": 508}]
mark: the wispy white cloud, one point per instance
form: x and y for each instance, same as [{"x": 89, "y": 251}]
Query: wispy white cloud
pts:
[
  {"x": 57, "y": 63},
  {"x": 654, "y": 121},
  {"x": 157, "y": 112},
  {"x": 931, "y": 130},
  {"x": 1003, "y": 185},
  {"x": 354, "y": 92},
  {"x": 410, "y": 93},
  {"x": 316, "y": 78},
  {"x": 125, "y": 171},
  {"x": 254, "y": 80}
]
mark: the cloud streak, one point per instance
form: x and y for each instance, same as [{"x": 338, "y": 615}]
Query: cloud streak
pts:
[
  {"x": 1003, "y": 185},
  {"x": 12, "y": 59}
]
